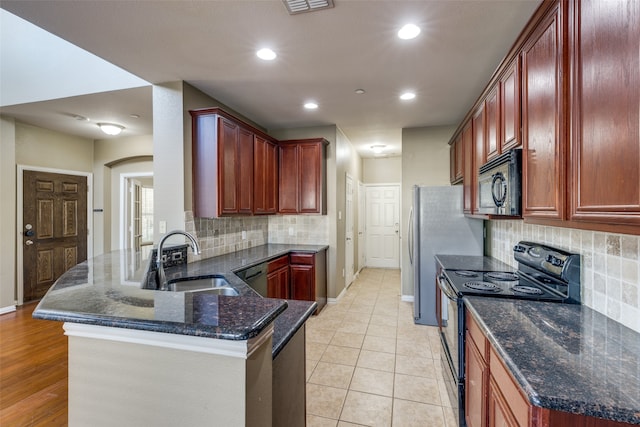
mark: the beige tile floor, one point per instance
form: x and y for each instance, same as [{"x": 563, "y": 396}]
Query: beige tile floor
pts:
[{"x": 368, "y": 364}]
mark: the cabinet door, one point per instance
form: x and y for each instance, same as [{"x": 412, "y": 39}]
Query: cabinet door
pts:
[
  {"x": 510, "y": 107},
  {"x": 499, "y": 413},
  {"x": 476, "y": 386},
  {"x": 288, "y": 186},
  {"x": 459, "y": 159},
  {"x": 605, "y": 140},
  {"x": 265, "y": 176},
  {"x": 492, "y": 128},
  {"x": 542, "y": 121},
  {"x": 310, "y": 175},
  {"x": 302, "y": 282},
  {"x": 244, "y": 171},
  {"x": 452, "y": 163},
  {"x": 480, "y": 158},
  {"x": 227, "y": 166},
  {"x": 469, "y": 178},
  {"x": 271, "y": 178},
  {"x": 278, "y": 283}
]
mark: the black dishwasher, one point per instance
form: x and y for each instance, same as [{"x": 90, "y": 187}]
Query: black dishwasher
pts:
[{"x": 256, "y": 277}]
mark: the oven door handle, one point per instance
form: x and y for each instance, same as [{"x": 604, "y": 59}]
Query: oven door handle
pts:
[{"x": 445, "y": 288}]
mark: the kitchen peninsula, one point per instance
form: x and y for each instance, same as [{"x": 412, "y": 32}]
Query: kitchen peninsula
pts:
[{"x": 149, "y": 357}]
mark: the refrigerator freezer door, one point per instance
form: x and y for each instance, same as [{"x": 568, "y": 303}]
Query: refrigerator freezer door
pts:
[{"x": 440, "y": 227}]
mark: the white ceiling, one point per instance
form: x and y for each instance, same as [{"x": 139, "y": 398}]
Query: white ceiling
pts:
[{"x": 324, "y": 55}]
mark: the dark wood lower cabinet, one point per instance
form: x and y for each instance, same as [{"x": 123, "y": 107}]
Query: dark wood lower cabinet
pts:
[
  {"x": 278, "y": 278},
  {"x": 299, "y": 276}
]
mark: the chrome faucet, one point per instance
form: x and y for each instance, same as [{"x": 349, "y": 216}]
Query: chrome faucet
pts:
[{"x": 161, "y": 278}]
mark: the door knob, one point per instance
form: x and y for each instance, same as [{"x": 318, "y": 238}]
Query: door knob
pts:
[{"x": 29, "y": 242}]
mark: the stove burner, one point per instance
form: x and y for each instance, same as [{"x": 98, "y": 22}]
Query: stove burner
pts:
[
  {"x": 502, "y": 275},
  {"x": 465, "y": 273},
  {"x": 482, "y": 286},
  {"x": 529, "y": 290}
]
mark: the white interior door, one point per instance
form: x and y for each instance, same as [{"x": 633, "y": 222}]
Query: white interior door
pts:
[
  {"x": 383, "y": 226},
  {"x": 349, "y": 262},
  {"x": 361, "y": 226}
]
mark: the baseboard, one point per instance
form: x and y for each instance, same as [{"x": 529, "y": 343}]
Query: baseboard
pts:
[
  {"x": 7, "y": 309},
  {"x": 335, "y": 300},
  {"x": 406, "y": 298}
]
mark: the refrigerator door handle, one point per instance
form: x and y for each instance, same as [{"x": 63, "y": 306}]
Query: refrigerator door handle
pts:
[{"x": 410, "y": 236}]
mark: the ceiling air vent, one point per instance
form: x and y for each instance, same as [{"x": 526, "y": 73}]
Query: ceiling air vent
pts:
[{"x": 300, "y": 6}]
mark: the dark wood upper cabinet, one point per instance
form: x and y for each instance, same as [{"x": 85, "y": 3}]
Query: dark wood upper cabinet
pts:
[
  {"x": 456, "y": 160},
  {"x": 244, "y": 164},
  {"x": 224, "y": 164},
  {"x": 605, "y": 131},
  {"x": 492, "y": 124},
  {"x": 543, "y": 128},
  {"x": 265, "y": 176},
  {"x": 302, "y": 176},
  {"x": 479, "y": 155},
  {"x": 469, "y": 179},
  {"x": 510, "y": 107}
]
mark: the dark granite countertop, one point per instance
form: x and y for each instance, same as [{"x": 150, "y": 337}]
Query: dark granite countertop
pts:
[
  {"x": 472, "y": 263},
  {"x": 565, "y": 357},
  {"x": 106, "y": 291}
]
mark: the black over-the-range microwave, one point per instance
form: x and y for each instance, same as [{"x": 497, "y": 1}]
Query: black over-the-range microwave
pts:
[{"x": 500, "y": 185}]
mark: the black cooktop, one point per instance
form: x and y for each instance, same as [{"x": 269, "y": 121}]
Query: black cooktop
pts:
[{"x": 505, "y": 284}]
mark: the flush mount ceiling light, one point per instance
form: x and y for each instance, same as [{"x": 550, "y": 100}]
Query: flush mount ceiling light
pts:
[
  {"x": 408, "y": 32},
  {"x": 378, "y": 148},
  {"x": 301, "y": 6},
  {"x": 359, "y": 91},
  {"x": 110, "y": 128},
  {"x": 310, "y": 105},
  {"x": 407, "y": 96},
  {"x": 266, "y": 54}
]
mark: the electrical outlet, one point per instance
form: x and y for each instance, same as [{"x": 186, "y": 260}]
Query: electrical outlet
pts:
[{"x": 244, "y": 235}]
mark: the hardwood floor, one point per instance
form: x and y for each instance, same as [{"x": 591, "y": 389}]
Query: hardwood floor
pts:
[{"x": 33, "y": 370}]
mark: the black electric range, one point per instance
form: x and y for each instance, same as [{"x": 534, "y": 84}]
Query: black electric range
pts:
[{"x": 544, "y": 274}]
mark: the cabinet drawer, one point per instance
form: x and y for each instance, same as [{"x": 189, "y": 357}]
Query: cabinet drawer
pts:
[
  {"x": 302, "y": 258},
  {"x": 277, "y": 263},
  {"x": 517, "y": 403},
  {"x": 478, "y": 337}
]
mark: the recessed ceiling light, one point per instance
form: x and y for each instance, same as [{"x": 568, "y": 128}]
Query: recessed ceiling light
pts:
[
  {"x": 310, "y": 105},
  {"x": 110, "y": 128},
  {"x": 378, "y": 148},
  {"x": 266, "y": 54},
  {"x": 407, "y": 96},
  {"x": 359, "y": 91},
  {"x": 409, "y": 31}
]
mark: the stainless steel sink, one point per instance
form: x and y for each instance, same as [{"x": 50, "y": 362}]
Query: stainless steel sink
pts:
[
  {"x": 223, "y": 290},
  {"x": 202, "y": 283}
]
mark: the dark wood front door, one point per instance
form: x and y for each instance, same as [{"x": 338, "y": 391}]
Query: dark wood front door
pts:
[{"x": 55, "y": 228}]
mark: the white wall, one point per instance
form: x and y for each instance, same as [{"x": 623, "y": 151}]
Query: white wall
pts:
[
  {"x": 7, "y": 214},
  {"x": 425, "y": 161},
  {"x": 168, "y": 157},
  {"x": 382, "y": 170},
  {"x": 31, "y": 146},
  {"x": 127, "y": 167},
  {"x": 108, "y": 153}
]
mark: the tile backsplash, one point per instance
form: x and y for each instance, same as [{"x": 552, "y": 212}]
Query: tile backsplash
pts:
[
  {"x": 299, "y": 229},
  {"x": 610, "y": 267},
  {"x": 219, "y": 236}
]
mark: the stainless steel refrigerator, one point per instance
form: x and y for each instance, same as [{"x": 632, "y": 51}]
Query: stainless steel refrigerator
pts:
[{"x": 437, "y": 225}]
